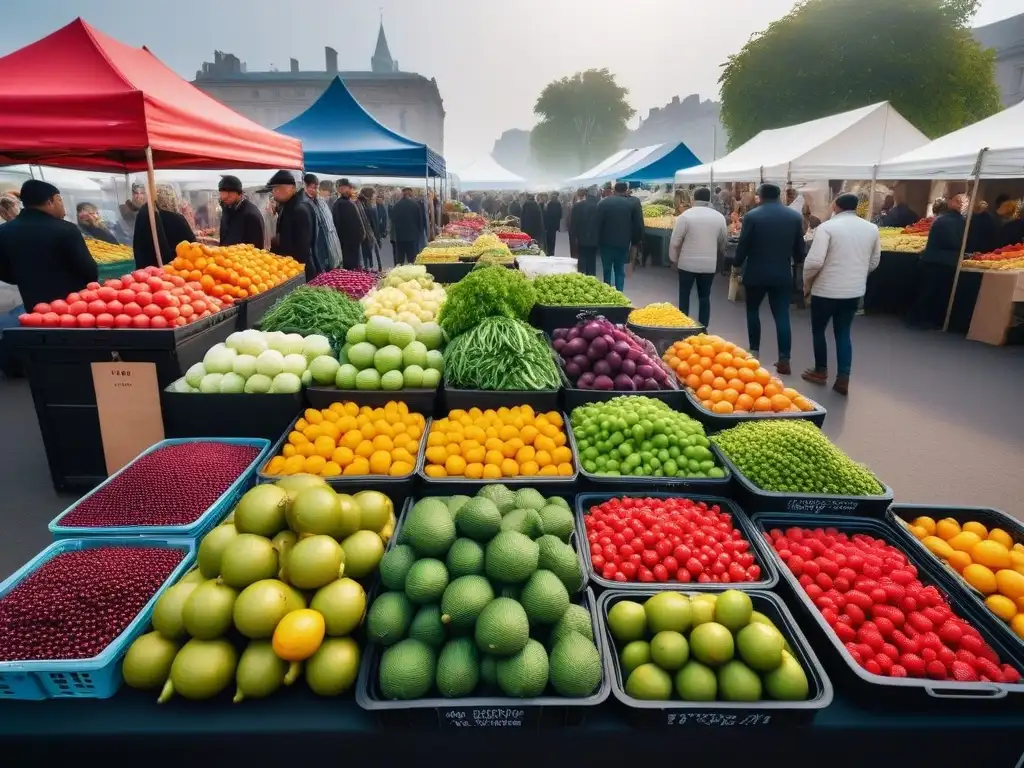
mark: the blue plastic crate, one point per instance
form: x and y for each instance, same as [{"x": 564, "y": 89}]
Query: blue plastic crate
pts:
[
  {"x": 195, "y": 530},
  {"x": 100, "y": 676}
]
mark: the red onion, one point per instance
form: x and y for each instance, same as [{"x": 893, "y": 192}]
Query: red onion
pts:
[{"x": 603, "y": 382}]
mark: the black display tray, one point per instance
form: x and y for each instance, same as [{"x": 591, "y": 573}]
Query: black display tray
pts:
[
  {"x": 549, "y": 318},
  {"x": 419, "y": 400},
  {"x": 716, "y": 422},
  {"x": 223, "y": 415},
  {"x": 252, "y": 310},
  {"x": 663, "y": 338}
]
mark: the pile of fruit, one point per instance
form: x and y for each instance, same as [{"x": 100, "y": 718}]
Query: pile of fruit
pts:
[
  {"x": 705, "y": 647},
  {"x": 354, "y": 282},
  {"x": 314, "y": 310},
  {"x": 389, "y": 355},
  {"x": 661, "y": 315},
  {"x": 345, "y": 439},
  {"x": 480, "y": 600},
  {"x": 172, "y": 485},
  {"x": 893, "y": 239},
  {"x": 989, "y": 560},
  {"x": 1007, "y": 257},
  {"x": 642, "y": 437},
  {"x": 727, "y": 379},
  {"x": 233, "y": 271},
  {"x": 407, "y": 293},
  {"x": 276, "y": 581},
  {"x": 920, "y": 227},
  {"x": 574, "y": 289},
  {"x": 876, "y": 604},
  {"x": 674, "y": 539},
  {"x": 794, "y": 456},
  {"x": 656, "y": 210},
  {"x": 596, "y": 354},
  {"x": 103, "y": 252},
  {"x": 509, "y": 442},
  {"x": 261, "y": 362},
  {"x": 145, "y": 298},
  {"x": 447, "y": 255}
]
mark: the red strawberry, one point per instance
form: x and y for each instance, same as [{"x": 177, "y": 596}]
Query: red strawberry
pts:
[
  {"x": 897, "y": 671},
  {"x": 813, "y": 590},
  {"x": 934, "y": 615},
  {"x": 930, "y": 640},
  {"x": 891, "y": 651},
  {"x": 919, "y": 621},
  {"x": 884, "y": 663},
  {"x": 950, "y": 632},
  {"x": 904, "y": 643},
  {"x": 936, "y": 670},
  {"x": 860, "y": 599},
  {"x": 866, "y": 585},
  {"x": 866, "y": 651},
  {"x": 878, "y": 595},
  {"x": 1010, "y": 675},
  {"x": 855, "y": 613},
  {"x": 885, "y": 627},
  {"x": 988, "y": 653},
  {"x": 964, "y": 673},
  {"x": 946, "y": 656},
  {"x": 913, "y": 664},
  {"x": 811, "y": 569},
  {"x": 844, "y": 632},
  {"x": 890, "y": 612},
  {"x": 990, "y": 670},
  {"x": 872, "y": 666},
  {"x": 972, "y": 643},
  {"x": 841, "y": 584},
  {"x": 830, "y": 616},
  {"x": 895, "y": 591},
  {"x": 806, "y": 581},
  {"x": 965, "y": 656},
  {"x": 929, "y": 654},
  {"x": 871, "y": 637}
]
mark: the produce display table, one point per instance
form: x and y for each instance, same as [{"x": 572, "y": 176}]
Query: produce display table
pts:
[
  {"x": 259, "y": 732},
  {"x": 993, "y": 312},
  {"x": 655, "y": 246}
]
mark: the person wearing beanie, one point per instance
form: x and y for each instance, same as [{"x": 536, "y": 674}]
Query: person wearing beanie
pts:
[
  {"x": 846, "y": 248},
  {"x": 240, "y": 219},
  {"x": 296, "y": 222},
  {"x": 41, "y": 253}
]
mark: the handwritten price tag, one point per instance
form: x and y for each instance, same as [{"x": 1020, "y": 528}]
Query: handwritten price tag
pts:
[
  {"x": 821, "y": 506},
  {"x": 128, "y": 405},
  {"x": 489, "y": 717},
  {"x": 718, "y": 719}
]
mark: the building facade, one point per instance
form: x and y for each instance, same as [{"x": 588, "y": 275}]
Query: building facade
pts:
[
  {"x": 405, "y": 102},
  {"x": 1006, "y": 38}
]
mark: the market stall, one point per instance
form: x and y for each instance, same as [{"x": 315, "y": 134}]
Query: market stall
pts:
[{"x": 487, "y": 174}]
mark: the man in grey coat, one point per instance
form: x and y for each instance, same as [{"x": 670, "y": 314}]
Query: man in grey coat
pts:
[{"x": 698, "y": 239}]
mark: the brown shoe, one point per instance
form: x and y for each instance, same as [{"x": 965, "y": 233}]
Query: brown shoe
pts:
[
  {"x": 815, "y": 376},
  {"x": 842, "y": 385},
  {"x": 783, "y": 368}
]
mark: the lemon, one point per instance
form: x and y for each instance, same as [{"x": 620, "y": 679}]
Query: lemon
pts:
[
  {"x": 1010, "y": 583},
  {"x": 299, "y": 634},
  {"x": 1001, "y": 606},
  {"x": 981, "y": 578},
  {"x": 991, "y": 554}
]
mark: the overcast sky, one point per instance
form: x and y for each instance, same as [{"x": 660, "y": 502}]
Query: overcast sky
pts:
[{"x": 491, "y": 59}]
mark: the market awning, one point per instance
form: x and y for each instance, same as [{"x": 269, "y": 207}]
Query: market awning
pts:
[
  {"x": 80, "y": 99},
  {"x": 340, "y": 137},
  {"x": 486, "y": 173},
  {"x": 827, "y": 148},
  {"x": 597, "y": 174},
  {"x": 659, "y": 165}
]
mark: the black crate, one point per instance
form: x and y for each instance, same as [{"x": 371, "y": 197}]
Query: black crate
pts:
[
  {"x": 449, "y": 272},
  {"x": 57, "y": 363},
  {"x": 768, "y": 712},
  {"x": 252, "y": 310},
  {"x": 876, "y": 690},
  {"x": 716, "y": 422},
  {"x": 755, "y": 499},
  {"x": 663, "y": 338},
  {"x": 546, "y": 711},
  {"x": 769, "y": 572},
  {"x": 419, "y": 400},
  {"x": 223, "y": 415},
  {"x": 900, "y": 516},
  {"x": 549, "y": 318}
]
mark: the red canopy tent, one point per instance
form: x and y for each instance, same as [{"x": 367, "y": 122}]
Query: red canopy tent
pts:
[{"x": 80, "y": 99}]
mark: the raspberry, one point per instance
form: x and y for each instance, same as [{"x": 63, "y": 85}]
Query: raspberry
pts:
[
  {"x": 936, "y": 670},
  {"x": 964, "y": 673}
]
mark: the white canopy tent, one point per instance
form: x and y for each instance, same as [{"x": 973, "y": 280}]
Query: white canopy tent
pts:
[
  {"x": 599, "y": 173},
  {"x": 485, "y": 173},
  {"x": 828, "y": 148},
  {"x": 59, "y": 177}
]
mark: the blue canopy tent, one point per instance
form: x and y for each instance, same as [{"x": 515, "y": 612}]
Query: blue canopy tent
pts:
[
  {"x": 660, "y": 165},
  {"x": 340, "y": 137}
]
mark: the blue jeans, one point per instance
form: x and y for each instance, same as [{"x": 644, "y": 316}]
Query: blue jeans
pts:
[
  {"x": 840, "y": 312},
  {"x": 778, "y": 302},
  {"x": 703, "y": 282},
  {"x": 614, "y": 259}
]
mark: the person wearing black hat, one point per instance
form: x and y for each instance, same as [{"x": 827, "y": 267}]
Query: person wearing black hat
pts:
[
  {"x": 296, "y": 222},
  {"x": 40, "y": 252},
  {"x": 349, "y": 225},
  {"x": 240, "y": 219}
]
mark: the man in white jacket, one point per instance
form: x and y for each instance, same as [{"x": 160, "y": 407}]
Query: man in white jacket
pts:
[
  {"x": 698, "y": 241},
  {"x": 845, "y": 250}
]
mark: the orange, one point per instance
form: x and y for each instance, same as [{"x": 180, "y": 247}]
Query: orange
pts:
[
  {"x": 313, "y": 465},
  {"x": 436, "y": 455},
  {"x": 744, "y": 402},
  {"x": 729, "y": 372},
  {"x": 780, "y": 403},
  {"x": 706, "y": 404},
  {"x": 754, "y": 389},
  {"x": 288, "y": 450},
  {"x": 991, "y": 554},
  {"x": 549, "y": 471},
  {"x": 494, "y": 457},
  {"x": 561, "y": 455},
  {"x": 331, "y": 469},
  {"x": 455, "y": 465},
  {"x": 771, "y": 389},
  {"x": 745, "y": 374},
  {"x": 717, "y": 396},
  {"x": 958, "y": 561},
  {"x": 528, "y": 468},
  {"x": 717, "y": 369},
  {"x": 704, "y": 391},
  {"x": 324, "y": 446},
  {"x": 761, "y": 376},
  {"x": 544, "y": 444},
  {"x": 722, "y": 406},
  {"x": 297, "y": 438},
  {"x": 509, "y": 468},
  {"x": 298, "y": 635},
  {"x": 433, "y": 470},
  {"x": 720, "y": 383},
  {"x": 696, "y": 371},
  {"x": 342, "y": 456},
  {"x": 947, "y": 528},
  {"x": 737, "y": 384},
  {"x": 492, "y": 471},
  {"x": 762, "y": 404},
  {"x": 526, "y": 453},
  {"x": 682, "y": 369},
  {"x": 380, "y": 462},
  {"x": 305, "y": 450},
  {"x": 723, "y": 358},
  {"x": 474, "y": 455},
  {"x": 453, "y": 449},
  {"x": 730, "y": 396},
  {"x": 475, "y": 470},
  {"x": 565, "y": 469},
  {"x": 981, "y": 578},
  {"x": 706, "y": 362},
  {"x": 543, "y": 459},
  {"x": 383, "y": 443},
  {"x": 707, "y": 377}
]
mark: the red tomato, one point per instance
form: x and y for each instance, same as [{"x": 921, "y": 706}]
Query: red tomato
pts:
[
  {"x": 177, "y": 281},
  {"x": 180, "y": 321},
  {"x": 122, "y": 321},
  {"x": 171, "y": 313},
  {"x": 105, "y": 320},
  {"x": 198, "y": 306},
  {"x": 187, "y": 311},
  {"x": 140, "y": 321},
  {"x": 42, "y": 308},
  {"x": 59, "y": 306},
  {"x": 151, "y": 310},
  {"x": 73, "y": 297},
  {"x": 68, "y": 321},
  {"x": 132, "y": 309},
  {"x": 126, "y": 280},
  {"x": 125, "y": 295},
  {"x": 30, "y": 319},
  {"x": 106, "y": 294},
  {"x": 87, "y": 320},
  {"x": 97, "y": 307},
  {"x": 162, "y": 299},
  {"x": 116, "y": 284},
  {"x": 115, "y": 307},
  {"x": 92, "y": 286},
  {"x": 78, "y": 307},
  {"x": 158, "y": 322},
  {"x": 154, "y": 283},
  {"x": 50, "y": 319},
  {"x": 139, "y": 275},
  {"x": 88, "y": 295},
  {"x": 143, "y": 298}
]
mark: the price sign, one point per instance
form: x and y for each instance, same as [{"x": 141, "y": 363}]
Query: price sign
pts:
[
  {"x": 489, "y": 717},
  {"x": 822, "y": 506},
  {"x": 718, "y": 719},
  {"x": 128, "y": 402}
]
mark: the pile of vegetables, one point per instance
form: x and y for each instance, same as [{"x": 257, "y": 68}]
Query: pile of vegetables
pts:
[
  {"x": 406, "y": 293},
  {"x": 595, "y": 354},
  {"x": 491, "y": 291},
  {"x": 574, "y": 289},
  {"x": 794, "y": 456},
  {"x": 355, "y": 283},
  {"x": 654, "y": 210},
  {"x": 500, "y": 353},
  {"x": 311, "y": 309},
  {"x": 661, "y": 315}
]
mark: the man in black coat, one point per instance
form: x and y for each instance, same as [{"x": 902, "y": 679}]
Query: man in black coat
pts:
[
  {"x": 584, "y": 230},
  {"x": 620, "y": 225},
  {"x": 349, "y": 225},
  {"x": 531, "y": 220},
  {"x": 407, "y": 225},
  {"x": 45, "y": 256},
  {"x": 515, "y": 208},
  {"x": 91, "y": 223},
  {"x": 771, "y": 240},
  {"x": 296, "y": 222},
  {"x": 937, "y": 266},
  {"x": 240, "y": 219},
  {"x": 552, "y": 222}
]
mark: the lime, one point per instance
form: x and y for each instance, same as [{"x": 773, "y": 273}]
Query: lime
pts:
[
  {"x": 627, "y": 621},
  {"x": 633, "y": 655},
  {"x": 649, "y": 682},
  {"x": 669, "y": 650}
]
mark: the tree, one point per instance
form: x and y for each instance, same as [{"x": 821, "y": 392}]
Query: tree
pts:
[
  {"x": 582, "y": 120},
  {"x": 829, "y": 56}
]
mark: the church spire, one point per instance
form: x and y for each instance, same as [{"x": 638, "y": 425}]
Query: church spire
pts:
[{"x": 382, "y": 61}]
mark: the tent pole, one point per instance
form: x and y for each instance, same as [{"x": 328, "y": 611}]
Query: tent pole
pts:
[
  {"x": 41, "y": 175},
  {"x": 871, "y": 192},
  {"x": 151, "y": 194},
  {"x": 963, "y": 242}
]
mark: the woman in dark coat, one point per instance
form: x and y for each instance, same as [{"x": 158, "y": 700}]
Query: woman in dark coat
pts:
[
  {"x": 531, "y": 221},
  {"x": 172, "y": 228}
]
